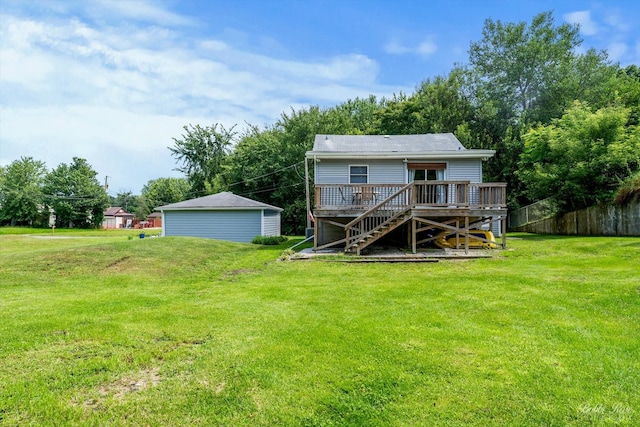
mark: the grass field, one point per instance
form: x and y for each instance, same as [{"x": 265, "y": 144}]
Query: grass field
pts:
[{"x": 97, "y": 328}]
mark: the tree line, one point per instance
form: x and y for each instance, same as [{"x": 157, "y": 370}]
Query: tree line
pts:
[
  {"x": 29, "y": 194},
  {"x": 563, "y": 123}
]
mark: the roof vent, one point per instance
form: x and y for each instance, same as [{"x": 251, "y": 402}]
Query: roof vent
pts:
[
  {"x": 386, "y": 136},
  {"x": 326, "y": 137}
]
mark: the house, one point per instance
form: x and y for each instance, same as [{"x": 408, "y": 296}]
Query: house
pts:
[
  {"x": 223, "y": 216},
  {"x": 404, "y": 188},
  {"x": 117, "y": 217}
]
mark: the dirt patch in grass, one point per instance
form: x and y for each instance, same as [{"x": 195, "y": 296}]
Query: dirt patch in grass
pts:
[
  {"x": 117, "y": 263},
  {"x": 235, "y": 273},
  {"x": 122, "y": 387}
]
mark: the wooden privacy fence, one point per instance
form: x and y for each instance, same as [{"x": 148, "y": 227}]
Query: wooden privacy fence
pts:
[{"x": 601, "y": 220}]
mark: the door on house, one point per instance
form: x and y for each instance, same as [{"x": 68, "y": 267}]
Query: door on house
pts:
[{"x": 429, "y": 192}]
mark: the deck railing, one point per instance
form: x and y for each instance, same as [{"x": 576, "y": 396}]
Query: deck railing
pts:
[
  {"x": 352, "y": 196},
  {"x": 490, "y": 195},
  {"x": 432, "y": 194}
]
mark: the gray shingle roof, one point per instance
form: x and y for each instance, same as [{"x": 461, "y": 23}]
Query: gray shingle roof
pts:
[
  {"x": 387, "y": 143},
  {"x": 115, "y": 211},
  {"x": 225, "y": 200}
]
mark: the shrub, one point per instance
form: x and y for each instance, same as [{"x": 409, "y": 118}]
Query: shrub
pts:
[
  {"x": 268, "y": 240},
  {"x": 629, "y": 190},
  {"x": 286, "y": 255}
]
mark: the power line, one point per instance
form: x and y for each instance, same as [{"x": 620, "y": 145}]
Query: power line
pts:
[
  {"x": 270, "y": 189},
  {"x": 266, "y": 174}
]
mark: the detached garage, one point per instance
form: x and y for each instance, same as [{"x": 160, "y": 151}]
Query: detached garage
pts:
[{"x": 223, "y": 216}]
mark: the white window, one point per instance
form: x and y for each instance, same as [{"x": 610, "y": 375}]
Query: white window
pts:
[{"x": 358, "y": 174}]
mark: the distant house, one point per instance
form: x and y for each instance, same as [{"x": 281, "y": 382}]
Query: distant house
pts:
[
  {"x": 117, "y": 217},
  {"x": 223, "y": 216},
  {"x": 408, "y": 188}
]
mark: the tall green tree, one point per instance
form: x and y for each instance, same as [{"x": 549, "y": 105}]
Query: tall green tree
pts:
[
  {"x": 437, "y": 106},
  {"x": 628, "y": 90},
  {"x": 202, "y": 151},
  {"x": 268, "y": 164},
  {"x": 581, "y": 158},
  {"x": 160, "y": 192},
  {"x": 525, "y": 74},
  {"x": 75, "y": 194},
  {"x": 517, "y": 63},
  {"x": 21, "y": 201},
  {"x": 126, "y": 200}
]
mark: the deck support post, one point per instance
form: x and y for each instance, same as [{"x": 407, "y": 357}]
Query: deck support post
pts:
[
  {"x": 503, "y": 231},
  {"x": 414, "y": 236},
  {"x": 466, "y": 235}
]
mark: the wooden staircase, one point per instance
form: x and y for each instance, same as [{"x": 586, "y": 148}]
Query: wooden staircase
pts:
[
  {"x": 365, "y": 239},
  {"x": 378, "y": 221}
]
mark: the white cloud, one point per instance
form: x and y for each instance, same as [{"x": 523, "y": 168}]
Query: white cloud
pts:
[
  {"x": 395, "y": 48},
  {"x": 117, "y": 97},
  {"x": 425, "y": 48},
  {"x": 139, "y": 10},
  {"x": 617, "y": 50},
  {"x": 587, "y": 26},
  {"x": 614, "y": 20}
]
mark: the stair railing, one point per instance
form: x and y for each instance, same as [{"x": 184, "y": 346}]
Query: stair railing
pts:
[{"x": 378, "y": 216}]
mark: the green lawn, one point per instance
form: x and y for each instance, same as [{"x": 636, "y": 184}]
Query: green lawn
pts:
[{"x": 102, "y": 329}]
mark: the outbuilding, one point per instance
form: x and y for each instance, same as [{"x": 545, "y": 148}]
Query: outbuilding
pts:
[
  {"x": 117, "y": 217},
  {"x": 223, "y": 216}
]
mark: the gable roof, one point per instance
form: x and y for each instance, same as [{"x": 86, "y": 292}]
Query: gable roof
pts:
[
  {"x": 220, "y": 201},
  {"x": 434, "y": 145},
  {"x": 116, "y": 211}
]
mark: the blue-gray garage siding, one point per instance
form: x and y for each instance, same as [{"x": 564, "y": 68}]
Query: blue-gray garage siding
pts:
[
  {"x": 233, "y": 225},
  {"x": 271, "y": 223}
]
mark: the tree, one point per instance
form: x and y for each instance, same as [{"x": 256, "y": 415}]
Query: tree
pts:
[
  {"x": 268, "y": 164},
  {"x": 628, "y": 89},
  {"x": 202, "y": 151},
  {"x": 517, "y": 64},
  {"x": 581, "y": 158},
  {"x": 21, "y": 192},
  {"x": 160, "y": 192},
  {"x": 521, "y": 74},
  {"x": 263, "y": 167},
  {"x": 75, "y": 194},
  {"x": 437, "y": 106},
  {"x": 126, "y": 200}
]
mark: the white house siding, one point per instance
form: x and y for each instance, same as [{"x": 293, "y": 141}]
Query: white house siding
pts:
[
  {"x": 271, "y": 223},
  {"x": 233, "y": 225},
  {"x": 465, "y": 170},
  {"x": 380, "y": 171},
  {"x": 392, "y": 171}
]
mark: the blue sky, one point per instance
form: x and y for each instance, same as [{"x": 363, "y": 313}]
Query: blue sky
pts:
[{"x": 113, "y": 81}]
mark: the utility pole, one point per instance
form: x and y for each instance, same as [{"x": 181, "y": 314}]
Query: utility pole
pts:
[
  {"x": 106, "y": 184},
  {"x": 306, "y": 190}
]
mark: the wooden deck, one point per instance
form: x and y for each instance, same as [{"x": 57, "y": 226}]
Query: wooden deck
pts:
[{"x": 363, "y": 213}]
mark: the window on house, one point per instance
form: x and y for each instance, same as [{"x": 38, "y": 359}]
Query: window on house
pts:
[
  {"x": 425, "y": 175},
  {"x": 358, "y": 174}
]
